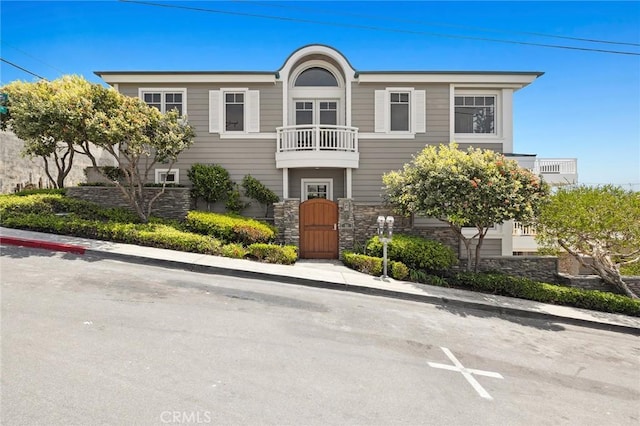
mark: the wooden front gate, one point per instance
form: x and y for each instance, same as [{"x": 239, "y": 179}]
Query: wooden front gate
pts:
[{"x": 319, "y": 229}]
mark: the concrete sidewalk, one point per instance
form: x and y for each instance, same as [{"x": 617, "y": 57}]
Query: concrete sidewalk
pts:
[{"x": 324, "y": 274}]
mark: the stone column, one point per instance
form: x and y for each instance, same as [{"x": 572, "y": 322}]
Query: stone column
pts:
[{"x": 346, "y": 225}]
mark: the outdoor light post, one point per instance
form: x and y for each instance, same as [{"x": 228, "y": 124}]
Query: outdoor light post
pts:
[{"x": 385, "y": 240}]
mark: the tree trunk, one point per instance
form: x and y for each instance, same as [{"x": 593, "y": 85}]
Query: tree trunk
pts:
[
  {"x": 478, "y": 247},
  {"x": 610, "y": 274},
  {"x": 603, "y": 266}
]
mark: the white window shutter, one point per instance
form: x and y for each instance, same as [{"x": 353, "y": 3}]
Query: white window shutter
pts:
[
  {"x": 253, "y": 111},
  {"x": 215, "y": 111},
  {"x": 381, "y": 109},
  {"x": 419, "y": 111}
]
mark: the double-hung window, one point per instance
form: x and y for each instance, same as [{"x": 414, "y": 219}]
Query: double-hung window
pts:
[
  {"x": 165, "y": 100},
  {"x": 475, "y": 114},
  {"x": 234, "y": 111},
  {"x": 400, "y": 111}
]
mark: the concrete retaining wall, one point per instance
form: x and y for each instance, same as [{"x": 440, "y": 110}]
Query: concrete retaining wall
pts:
[{"x": 20, "y": 172}]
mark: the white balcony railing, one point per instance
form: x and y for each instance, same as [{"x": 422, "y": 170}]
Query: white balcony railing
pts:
[
  {"x": 322, "y": 137},
  {"x": 520, "y": 230},
  {"x": 556, "y": 166}
]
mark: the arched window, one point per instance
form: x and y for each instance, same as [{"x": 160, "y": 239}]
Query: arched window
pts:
[{"x": 316, "y": 77}]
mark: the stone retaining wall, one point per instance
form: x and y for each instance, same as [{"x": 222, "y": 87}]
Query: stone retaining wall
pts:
[
  {"x": 594, "y": 282},
  {"x": 538, "y": 268},
  {"x": 173, "y": 204}
]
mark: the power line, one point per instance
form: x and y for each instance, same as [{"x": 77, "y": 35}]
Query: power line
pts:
[
  {"x": 435, "y": 24},
  {"x": 32, "y": 57},
  {"x": 374, "y": 28},
  {"x": 22, "y": 69}
]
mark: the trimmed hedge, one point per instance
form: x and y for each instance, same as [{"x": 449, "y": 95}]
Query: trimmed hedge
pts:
[
  {"x": 524, "y": 288},
  {"x": 48, "y": 191},
  {"x": 415, "y": 252},
  {"x": 60, "y": 215},
  {"x": 272, "y": 253},
  {"x": 374, "y": 265},
  {"x": 58, "y": 204},
  {"x": 230, "y": 228}
]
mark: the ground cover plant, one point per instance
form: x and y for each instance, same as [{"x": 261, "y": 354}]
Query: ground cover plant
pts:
[{"x": 54, "y": 213}]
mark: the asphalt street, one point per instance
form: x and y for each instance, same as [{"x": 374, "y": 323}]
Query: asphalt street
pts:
[{"x": 94, "y": 341}]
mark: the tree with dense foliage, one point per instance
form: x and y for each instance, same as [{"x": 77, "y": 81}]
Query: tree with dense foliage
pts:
[
  {"x": 139, "y": 138},
  {"x": 255, "y": 189},
  {"x": 46, "y": 116},
  {"x": 69, "y": 116},
  {"x": 599, "y": 226},
  {"x": 473, "y": 188},
  {"x": 211, "y": 182}
]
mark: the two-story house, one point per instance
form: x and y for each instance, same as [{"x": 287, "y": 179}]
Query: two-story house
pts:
[{"x": 320, "y": 134}]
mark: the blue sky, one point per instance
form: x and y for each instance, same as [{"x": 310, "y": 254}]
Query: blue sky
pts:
[{"x": 587, "y": 105}]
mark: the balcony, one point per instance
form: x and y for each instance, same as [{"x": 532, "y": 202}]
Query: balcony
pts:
[
  {"x": 317, "y": 146},
  {"x": 524, "y": 238},
  {"x": 557, "y": 171}
]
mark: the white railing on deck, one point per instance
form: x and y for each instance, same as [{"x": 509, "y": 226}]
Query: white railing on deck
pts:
[
  {"x": 556, "y": 166},
  {"x": 521, "y": 230},
  {"x": 322, "y": 137}
]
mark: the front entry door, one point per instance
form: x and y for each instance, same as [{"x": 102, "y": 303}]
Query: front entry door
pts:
[{"x": 318, "y": 229}]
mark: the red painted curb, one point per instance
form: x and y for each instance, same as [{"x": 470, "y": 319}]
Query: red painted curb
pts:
[{"x": 42, "y": 245}]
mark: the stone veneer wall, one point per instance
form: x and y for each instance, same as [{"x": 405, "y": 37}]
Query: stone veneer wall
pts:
[
  {"x": 594, "y": 282},
  {"x": 173, "y": 204},
  {"x": 358, "y": 223},
  {"x": 286, "y": 217},
  {"x": 538, "y": 268}
]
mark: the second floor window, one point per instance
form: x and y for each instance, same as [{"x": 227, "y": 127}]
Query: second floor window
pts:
[
  {"x": 234, "y": 112},
  {"x": 475, "y": 114},
  {"x": 399, "y": 112},
  {"x": 164, "y": 101}
]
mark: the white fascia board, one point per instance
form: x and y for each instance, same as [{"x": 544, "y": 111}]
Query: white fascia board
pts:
[
  {"x": 187, "y": 78},
  {"x": 519, "y": 80}
]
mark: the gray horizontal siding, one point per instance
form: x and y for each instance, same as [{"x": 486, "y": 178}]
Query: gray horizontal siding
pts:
[
  {"x": 490, "y": 247},
  {"x": 379, "y": 156},
  {"x": 296, "y": 176},
  {"x": 239, "y": 156}
]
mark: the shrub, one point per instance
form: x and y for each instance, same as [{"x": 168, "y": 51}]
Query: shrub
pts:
[
  {"x": 112, "y": 173},
  {"x": 632, "y": 269},
  {"x": 253, "y": 188},
  {"x": 524, "y": 288},
  {"x": 234, "y": 202},
  {"x": 46, "y": 191},
  {"x": 363, "y": 263},
  {"x": 210, "y": 182},
  {"x": 272, "y": 253},
  {"x": 399, "y": 270},
  {"x": 229, "y": 228},
  {"x": 234, "y": 250},
  {"x": 415, "y": 252}
]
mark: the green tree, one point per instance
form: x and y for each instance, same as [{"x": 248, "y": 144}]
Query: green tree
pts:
[
  {"x": 255, "y": 189},
  {"x": 67, "y": 116},
  {"x": 474, "y": 188},
  {"x": 600, "y": 223},
  {"x": 45, "y": 115},
  {"x": 138, "y": 137}
]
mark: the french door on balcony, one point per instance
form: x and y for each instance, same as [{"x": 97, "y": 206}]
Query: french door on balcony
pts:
[{"x": 315, "y": 113}]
